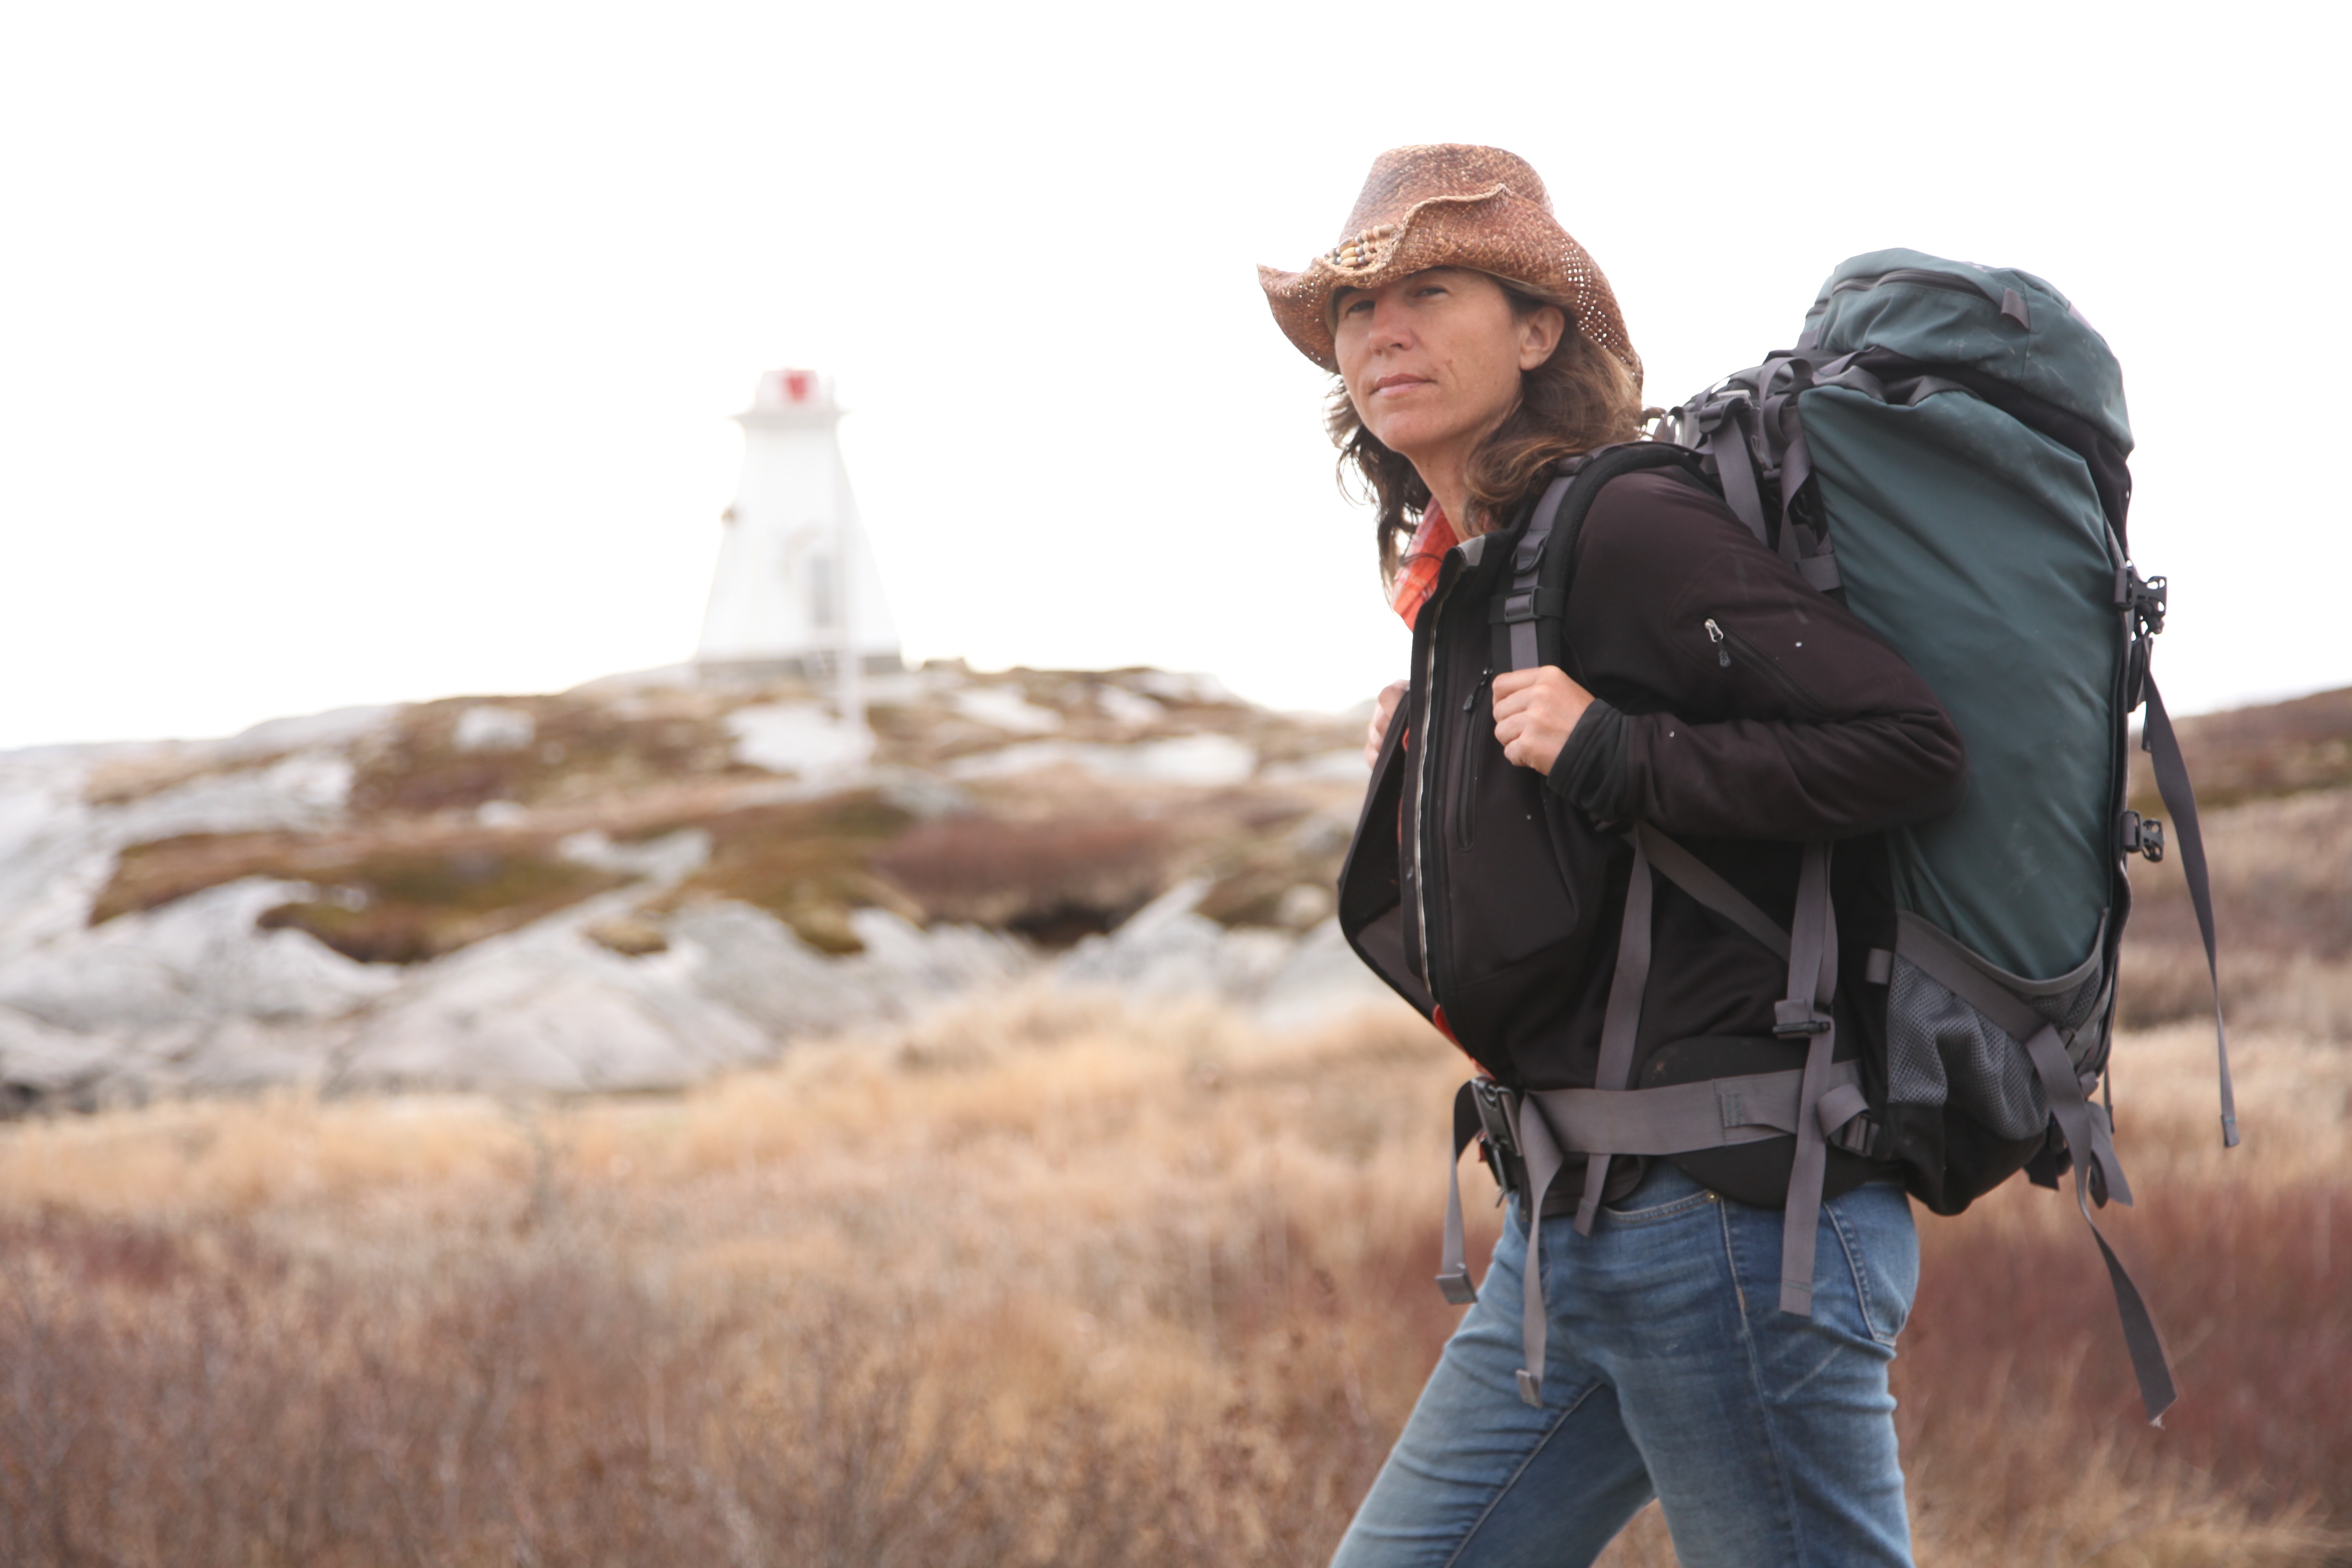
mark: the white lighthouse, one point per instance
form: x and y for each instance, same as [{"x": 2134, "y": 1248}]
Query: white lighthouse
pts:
[{"x": 796, "y": 588}]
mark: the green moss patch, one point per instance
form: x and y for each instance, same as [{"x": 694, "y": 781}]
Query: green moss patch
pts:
[
  {"x": 398, "y": 902},
  {"x": 580, "y": 750},
  {"x": 805, "y": 862}
]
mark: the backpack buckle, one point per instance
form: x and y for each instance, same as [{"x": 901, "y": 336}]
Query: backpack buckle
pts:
[
  {"x": 2144, "y": 597},
  {"x": 1498, "y": 1134},
  {"x": 2141, "y": 836},
  {"x": 1795, "y": 1018}
]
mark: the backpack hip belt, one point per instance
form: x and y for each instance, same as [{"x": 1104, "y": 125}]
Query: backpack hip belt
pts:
[{"x": 1822, "y": 1101}]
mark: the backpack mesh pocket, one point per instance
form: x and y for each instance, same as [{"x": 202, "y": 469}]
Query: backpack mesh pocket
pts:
[{"x": 1941, "y": 1051}]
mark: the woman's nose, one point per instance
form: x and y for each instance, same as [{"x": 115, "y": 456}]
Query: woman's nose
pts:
[{"x": 1392, "y": 326}]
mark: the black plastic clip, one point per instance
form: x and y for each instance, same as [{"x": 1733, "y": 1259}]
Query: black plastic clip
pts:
[
  {"x": 2141, "y": 836},
  {"x": 1498, "y": 1142},
  {"x": 1792, "y": 1018},
  {"x": 2144, "y": 597}
]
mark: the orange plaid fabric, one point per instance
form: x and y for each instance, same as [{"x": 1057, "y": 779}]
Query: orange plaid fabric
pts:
[{"x": 1417, "y": 576}]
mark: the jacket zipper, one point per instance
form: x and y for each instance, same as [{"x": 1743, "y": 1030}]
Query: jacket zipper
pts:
[
  {"x": 1465, "y": 745},
  {"x": 1423, "y": 859},
  {"x": 1731, "y": 645}
]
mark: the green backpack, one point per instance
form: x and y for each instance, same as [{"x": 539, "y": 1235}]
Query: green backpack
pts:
[{"x": 1944, "y": 450}]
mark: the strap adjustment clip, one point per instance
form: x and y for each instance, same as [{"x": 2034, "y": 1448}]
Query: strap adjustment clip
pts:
[
  {"x": 1499, "y": 1142},
  {"x": 1794, "y": 1018},
  {"x": 2140, "y": 835},
  {"x": 2144, "y": 597}
]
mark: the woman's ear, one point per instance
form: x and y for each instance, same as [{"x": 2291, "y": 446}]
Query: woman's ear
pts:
[{"x": 1540, "y": 334}]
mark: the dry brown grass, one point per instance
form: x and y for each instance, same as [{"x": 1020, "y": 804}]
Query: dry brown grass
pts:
[
  {"x": 2259, "y": 752},
  {"x": 1041, "y": 1280},
  {"x": 2282, "y": 875}
]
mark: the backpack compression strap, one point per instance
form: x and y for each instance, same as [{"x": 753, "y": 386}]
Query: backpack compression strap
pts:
[
  {"x": 2089, "y": 1132},
  {"x": 2163, "y": 748}
]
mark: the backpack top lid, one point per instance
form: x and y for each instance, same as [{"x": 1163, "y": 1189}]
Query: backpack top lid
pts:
[{"x": 2005, "y": 323}]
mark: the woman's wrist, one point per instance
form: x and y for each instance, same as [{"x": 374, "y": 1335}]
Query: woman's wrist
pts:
[{"x": 1590, "y": 771}]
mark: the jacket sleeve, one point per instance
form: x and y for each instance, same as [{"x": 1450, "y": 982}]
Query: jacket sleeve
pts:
[{"x": 1732, "y": 700}]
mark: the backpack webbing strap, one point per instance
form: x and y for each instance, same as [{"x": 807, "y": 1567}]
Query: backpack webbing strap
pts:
[
  {"x": 1703, "y": 884},
  {"x": 1621, "y": 1021},
  {"x": 2163, "y": 748},
  {"x": 1527, "y": 612},
  {"x": 1453, "y": 1268},
  {"x": 1676, "y": 1119},
  {"x": 1518, "y": 603},
  {"x": 1737, "y": 469},
  {"x": 2086, "y": 1128},
  {"x": 2089, "y": 1134},
  {"x": 1542, "y": 1153},
  {"x": 1680, "y": 1118},
  {"x": 1812, "y": 983}
]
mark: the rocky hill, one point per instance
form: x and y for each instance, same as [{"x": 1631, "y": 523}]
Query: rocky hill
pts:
[{"x": 642, "y": 882}]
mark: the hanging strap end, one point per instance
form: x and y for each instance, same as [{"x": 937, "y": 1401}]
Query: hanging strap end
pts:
[
  {"x": 1457, "y": 1288},
  {"x": 2229, "y": 1132},
  {"x": 1796, "y": 1299},
  {"x": 1530, "y": 1388}
]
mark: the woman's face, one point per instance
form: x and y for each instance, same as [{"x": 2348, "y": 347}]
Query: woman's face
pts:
[{"x": 1432, "y": 361}]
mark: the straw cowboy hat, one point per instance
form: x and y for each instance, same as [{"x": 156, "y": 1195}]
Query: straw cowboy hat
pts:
[{"x": 1449, "y": 205}]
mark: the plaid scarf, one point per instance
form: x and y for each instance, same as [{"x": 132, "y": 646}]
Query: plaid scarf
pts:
[{"x": 1416, "y": 577}]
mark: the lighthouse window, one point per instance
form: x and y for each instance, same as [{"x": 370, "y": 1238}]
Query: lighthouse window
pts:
[{"x": 824, "y": 609}]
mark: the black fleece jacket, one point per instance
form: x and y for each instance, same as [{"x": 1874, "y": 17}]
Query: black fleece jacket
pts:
[
  {"x": 1736, "y": 710},
  {"x": 1734, "y": 700}
]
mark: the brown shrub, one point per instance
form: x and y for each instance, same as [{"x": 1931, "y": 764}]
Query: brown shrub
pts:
[
  {"x": 1087, "y": 1286},
  {"x": 2014, "y": 1355},
  {"x": 1054, "y": 881},
  {"x": 396, "y": 899}
]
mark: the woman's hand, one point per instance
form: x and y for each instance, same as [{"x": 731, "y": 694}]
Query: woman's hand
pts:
[
  {"x": 1534, "y": 712},
  {"x": 1382, "y": 711}
]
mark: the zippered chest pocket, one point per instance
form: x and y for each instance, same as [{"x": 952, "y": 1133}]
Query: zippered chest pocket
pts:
[
  {"x": 1732, "y": 650},
  {"x": 1473, "y": 736}
]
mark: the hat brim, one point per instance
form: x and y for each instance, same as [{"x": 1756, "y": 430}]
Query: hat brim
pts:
[{"x": 1489, "y": 231}]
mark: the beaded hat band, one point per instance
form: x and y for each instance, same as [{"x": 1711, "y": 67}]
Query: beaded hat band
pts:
[{"x": 1448, "y": 205}]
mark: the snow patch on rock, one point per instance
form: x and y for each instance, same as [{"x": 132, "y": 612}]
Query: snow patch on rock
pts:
[
  {"x": 486, "y": 727},
  {"x": 797, "y": 738},
  {"x": 1182, "y": 759},
  {"x": 1003, "y": 710}
]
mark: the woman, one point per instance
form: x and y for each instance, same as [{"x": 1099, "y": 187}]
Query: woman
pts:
[{"x": 1478, "y": 352}]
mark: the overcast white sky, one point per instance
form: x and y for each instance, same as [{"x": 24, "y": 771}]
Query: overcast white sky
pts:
[{"x": 356, "y": 353}]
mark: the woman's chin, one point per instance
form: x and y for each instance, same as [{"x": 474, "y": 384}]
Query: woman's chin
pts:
[{"x": 1412, "y": 432}]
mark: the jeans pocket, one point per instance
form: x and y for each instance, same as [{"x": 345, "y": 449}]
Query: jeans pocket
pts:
[
  {"x": 1663, "y": 1194},
  {"x": 1882, "y": 1250}
]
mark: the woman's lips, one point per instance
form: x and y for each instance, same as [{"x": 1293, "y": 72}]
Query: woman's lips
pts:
[{"x": 1399, "y": 383}]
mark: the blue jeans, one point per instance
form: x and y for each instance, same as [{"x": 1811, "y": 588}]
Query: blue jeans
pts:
[{"x": 1670, "y": 1371}]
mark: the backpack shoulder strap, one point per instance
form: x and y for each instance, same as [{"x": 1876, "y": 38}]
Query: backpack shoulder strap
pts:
[{"x": 1528, "y": 610}]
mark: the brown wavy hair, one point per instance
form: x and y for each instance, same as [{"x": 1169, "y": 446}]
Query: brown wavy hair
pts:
[{"x": 1578, "y": 399}]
